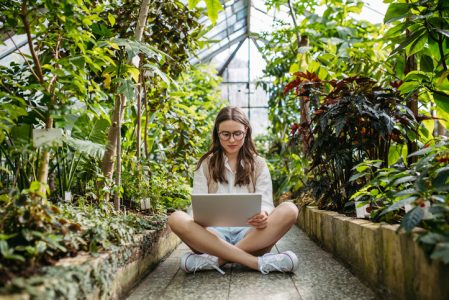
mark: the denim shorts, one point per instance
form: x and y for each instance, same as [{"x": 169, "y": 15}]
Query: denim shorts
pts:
[{"x": 232, "y": 235}]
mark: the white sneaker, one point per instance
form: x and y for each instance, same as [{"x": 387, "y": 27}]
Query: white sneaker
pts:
[
  {"x": 191, "y": 262},
  {"x": 282, "y": 262}
]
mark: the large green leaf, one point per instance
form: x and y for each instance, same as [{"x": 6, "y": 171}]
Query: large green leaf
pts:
[
  {"x": 397, "y": 30},
  {"x": 156, "y": 70},
  {"x": 426, "y": 63},
  {"x": 442, "y": 107},
  {"x": 443, "y": 32},
  {"x": 94, "y": 130},
  {"x": 409, "y": 40},
  {"x": 396, "y": 11},
  {"x": 441, "y": 100},
  {"x": 409, "y": 87},
  {"x": 400, "y": 180},
  {"x": 21, "y": 134},
  {"x": 394, "y": 153},
  {"x": 412, "y": 218},
  {"x": 418, "y": 76},
  {"x": 88, "y": 148},
  {"x": 399, "y": 204},
  {"x": 126, "y": 88},
  {"x": 421, "y": 152},
  {"x": 417, "y": 45},
  {"x": 193, "y": 3},
  {"x": 213, "y": 7},
  {"x": 440, "y": 182},
  {"x": 134, "y": 48},
  {"x": 441, "y": 251}
]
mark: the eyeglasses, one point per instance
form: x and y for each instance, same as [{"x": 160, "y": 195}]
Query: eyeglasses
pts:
[{"x": 226, "y": 135}]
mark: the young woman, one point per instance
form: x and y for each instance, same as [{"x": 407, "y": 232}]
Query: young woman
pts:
[{"x": 232, "y": 166}]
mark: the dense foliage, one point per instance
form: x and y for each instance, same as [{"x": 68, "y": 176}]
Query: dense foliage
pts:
[
  {"x": 347, "y": 92},
  {"x": 418, "y": 193},
  {"x": 35, "y": 231},
  {"x": 356, "y": 121},
  {"x": 332, "y": 45},
  {"x": 102, "y": 108}
]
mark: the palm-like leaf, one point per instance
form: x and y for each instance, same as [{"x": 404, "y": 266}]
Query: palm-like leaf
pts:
[{"x": 86, "y": 147}]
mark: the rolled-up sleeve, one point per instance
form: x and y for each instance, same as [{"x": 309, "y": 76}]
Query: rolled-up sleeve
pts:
[
  {"x": 199, "y": 182},
  {"x": 264, "y": 186}
]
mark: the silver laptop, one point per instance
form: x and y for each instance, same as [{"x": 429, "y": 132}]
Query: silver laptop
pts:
[{"x": 225, "y": 209}]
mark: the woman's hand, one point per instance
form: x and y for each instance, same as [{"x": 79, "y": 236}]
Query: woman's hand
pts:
[{"x": 259, "y": 221}]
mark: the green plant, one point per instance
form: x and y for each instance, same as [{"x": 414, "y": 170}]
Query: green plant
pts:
[
  {"x": 424, "y": 185},
  {"x": 169, "y": 190},
  {"x": 33, "y": 231},
  {"x": 332, "y": 45},
  {"x": 102, "y": 227},
  {"x": 419, "y": 42},
  {"x": 286, "y": 165},
  {"x": 357, "y": 120}
]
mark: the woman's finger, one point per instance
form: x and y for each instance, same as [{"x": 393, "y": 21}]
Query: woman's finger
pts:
[{"x": 258, "y": 223}]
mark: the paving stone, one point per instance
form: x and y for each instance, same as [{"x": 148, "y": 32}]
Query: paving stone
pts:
[
  {"x": 201, "y": 285},
  {"x": 319, "y": 276},
  {"x": 249, "y": 284}
]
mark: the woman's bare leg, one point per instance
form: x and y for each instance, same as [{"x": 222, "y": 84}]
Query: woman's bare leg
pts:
[
  {"x": 260, "y": 241},
  {"x": 204, "y": 241}
]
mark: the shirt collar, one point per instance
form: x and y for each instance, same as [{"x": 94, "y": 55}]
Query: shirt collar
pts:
[{"x": 226, "y": 163}]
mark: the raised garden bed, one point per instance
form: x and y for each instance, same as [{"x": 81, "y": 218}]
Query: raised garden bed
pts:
[
  {"x": 391, "y": 263},
  {"x": 108, "y": 275}
]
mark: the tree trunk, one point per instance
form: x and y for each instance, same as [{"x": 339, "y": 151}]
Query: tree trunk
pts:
[
  {"x": 111, "y": 148},
  {"x": 139, "y": 110},
  {"x": 304, "y": 102},
  {"x": 147, "y": 115},
  {"x": 441, "y": 129},
  {"x": 42, "y": 173},
  {"x": 118, "y": 177},
  {"x": 412, "y": 104},
  {"x": 120, "y": 104}
]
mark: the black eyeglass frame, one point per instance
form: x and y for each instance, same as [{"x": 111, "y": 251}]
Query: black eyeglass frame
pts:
[{"x": 232, "y": 134}]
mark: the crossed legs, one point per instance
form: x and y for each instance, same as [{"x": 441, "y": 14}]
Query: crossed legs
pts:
[{"x": 255, "y": 243}]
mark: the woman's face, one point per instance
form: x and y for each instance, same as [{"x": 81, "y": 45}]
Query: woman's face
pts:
[{"x": 232, "y": 136}]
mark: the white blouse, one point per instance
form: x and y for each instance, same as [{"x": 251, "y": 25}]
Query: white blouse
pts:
[{"x": 263, "y": 185}]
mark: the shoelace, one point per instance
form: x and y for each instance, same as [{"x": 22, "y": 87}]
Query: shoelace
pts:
[
  {"x": 264, "y": 270},
  {"x": 199, "y": 264}
]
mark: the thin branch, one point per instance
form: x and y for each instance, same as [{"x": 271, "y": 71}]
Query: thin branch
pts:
[
  {"x": 23, "y": 56},
  {"x": 292, "y": 13},
  {"x": 26, "y": 24}
]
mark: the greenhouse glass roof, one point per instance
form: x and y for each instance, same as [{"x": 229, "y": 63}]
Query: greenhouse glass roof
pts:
[
  {"x": 238, "y": 20},
  {"x": 233, "y": 52}
]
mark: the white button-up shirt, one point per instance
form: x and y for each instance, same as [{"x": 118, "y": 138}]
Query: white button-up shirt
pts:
[{"x": 263, "y": 185}]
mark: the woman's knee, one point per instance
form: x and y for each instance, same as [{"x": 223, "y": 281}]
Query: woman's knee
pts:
[
  {"x": 290, "y": 211},
  {"x": 177, "y": 220}
]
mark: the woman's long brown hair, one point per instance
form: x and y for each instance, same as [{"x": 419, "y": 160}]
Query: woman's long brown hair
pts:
[{"x": 246, "y": 154}]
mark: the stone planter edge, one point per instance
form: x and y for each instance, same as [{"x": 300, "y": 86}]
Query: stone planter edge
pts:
[
  {"x": 390, "y": 263},
  {"x": 127, "y": 266}
]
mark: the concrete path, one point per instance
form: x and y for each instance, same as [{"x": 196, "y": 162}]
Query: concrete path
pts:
[{"x": 319, "y": 276}]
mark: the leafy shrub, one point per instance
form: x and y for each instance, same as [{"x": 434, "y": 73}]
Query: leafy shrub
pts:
[
  {"x": 355, "y": 121},
  {"x": 286, "y": 165},
  {"x": 424, "y": 185},
  {"x": 103, "y": 227},
  {"x": 169, "y": 190},
  {"x": 35, "y": 232}
]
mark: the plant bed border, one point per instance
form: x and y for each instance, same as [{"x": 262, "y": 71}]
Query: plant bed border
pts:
[
  {"x": 391, "y": 263},
  {"x": 108, "y": 275}
]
